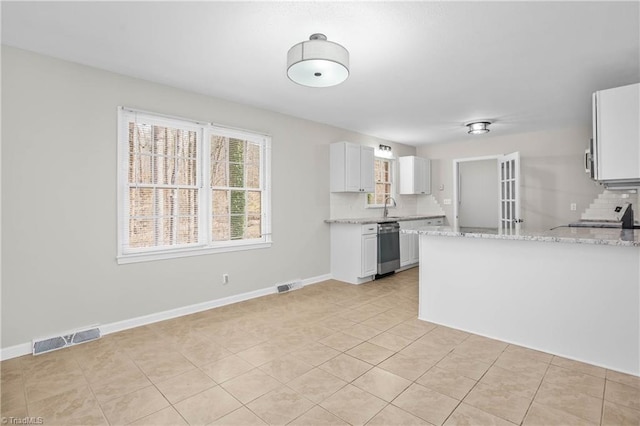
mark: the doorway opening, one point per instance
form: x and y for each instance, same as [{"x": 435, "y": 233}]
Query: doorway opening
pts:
[{"x": 486, "y": 193}]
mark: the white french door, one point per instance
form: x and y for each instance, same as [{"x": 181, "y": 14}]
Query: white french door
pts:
[{"x": 509, "y": 181}]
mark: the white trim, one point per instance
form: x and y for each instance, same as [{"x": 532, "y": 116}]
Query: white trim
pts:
[
  {"x": 16, "y": 351},
  {"x": 26, "y": 348},
  {"x": 316, "y": 279},
  {"x": 597, "y": 364},
  {"x": 392, "y": 165},
  {"x": 197, "y": 251},
  {"x": 184, "y": 310},
  {"x": 197, "y": 122},
  {"x": 204, "y": 244}
]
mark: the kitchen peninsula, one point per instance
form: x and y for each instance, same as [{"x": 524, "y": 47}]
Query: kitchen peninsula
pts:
[{"x": 574, "y": 292}]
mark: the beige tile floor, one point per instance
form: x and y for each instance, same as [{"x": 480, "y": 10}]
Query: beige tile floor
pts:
[{"x": 331, "y": 353}]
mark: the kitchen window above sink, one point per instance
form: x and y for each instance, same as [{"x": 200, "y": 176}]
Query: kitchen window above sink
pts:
[{"x": 383, "y": 175}]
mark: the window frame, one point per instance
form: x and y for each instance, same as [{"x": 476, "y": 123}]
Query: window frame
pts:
[
  {"x": 205, "y": 243},
  {"x": 392, "y": 176}
]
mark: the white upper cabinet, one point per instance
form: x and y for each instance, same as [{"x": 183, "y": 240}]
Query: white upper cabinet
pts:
[
  {"x": 415, "y": 175},
  {"x": 616, "y": 134},
  {"x": 351, "y": 167}
]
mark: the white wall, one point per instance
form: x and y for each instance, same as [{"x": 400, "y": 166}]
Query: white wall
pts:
[
  {"x": 552, "y": 171},
  {"x": 59, "y": 268},
  {"x": 478, "y": 181}
]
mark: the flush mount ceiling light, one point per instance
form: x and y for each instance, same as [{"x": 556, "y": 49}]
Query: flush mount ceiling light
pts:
[
  {"x": 318, "y": 62},
  {"x": 478, "y": 127}
]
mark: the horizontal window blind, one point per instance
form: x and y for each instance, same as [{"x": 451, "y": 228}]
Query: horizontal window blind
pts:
[
  {"x": 187, "y": 185},
  {"x": 383, "y": 182}
]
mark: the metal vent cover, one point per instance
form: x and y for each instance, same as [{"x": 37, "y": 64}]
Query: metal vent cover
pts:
[
  {"x": 49, "y": 344},
  {"x": 285, "y": 287}
]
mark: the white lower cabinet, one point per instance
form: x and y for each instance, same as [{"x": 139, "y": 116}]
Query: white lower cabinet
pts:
[
  {"x": 369, "y": 255},
  {"x": 409, "y": 243},
  {"x": 354, "y": 252},
  {"x": 354, "y": 249},
  {"x": 406, "y": 249}
]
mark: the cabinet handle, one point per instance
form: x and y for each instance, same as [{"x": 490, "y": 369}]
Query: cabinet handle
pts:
[{"x": 587, "y": 161}]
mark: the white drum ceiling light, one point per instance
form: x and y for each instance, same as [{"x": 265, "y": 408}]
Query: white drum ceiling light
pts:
[
  {"x": 318, "y": 62},
  {"x": 478, "y": 127}
]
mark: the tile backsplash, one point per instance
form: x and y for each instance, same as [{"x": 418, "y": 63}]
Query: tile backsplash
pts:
[{"x": 353, "y": 205}]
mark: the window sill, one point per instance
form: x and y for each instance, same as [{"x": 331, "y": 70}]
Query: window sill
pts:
[{"x": 124, "y": 259}]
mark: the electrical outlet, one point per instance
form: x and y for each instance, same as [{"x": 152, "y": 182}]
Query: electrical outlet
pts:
[
  {"x": 573, "y": 207},
  {"x": 225, "y": 279},
  {"x": 446, "y": 201}
]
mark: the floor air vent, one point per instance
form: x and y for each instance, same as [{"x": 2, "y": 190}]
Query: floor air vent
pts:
[
  {"x": 293, "y": 285},
  {"x": 58, "y": 342}
]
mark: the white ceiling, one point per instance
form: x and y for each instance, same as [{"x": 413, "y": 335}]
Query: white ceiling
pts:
[{"x": 419, "y": 70}]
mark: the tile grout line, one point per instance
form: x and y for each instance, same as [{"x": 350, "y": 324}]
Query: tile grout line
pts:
[
  {"x": 155, "y": 386},
  {"x": 604, "y": 392},
  {"x": 476, "y": 383},
  {"x": 24, "y": 390},
  {"x": 104, "y": 416},
  {"x": 356, "y": 378},
  {"x": 581, "y": 372},
  {"x": 536, "y": 392}
]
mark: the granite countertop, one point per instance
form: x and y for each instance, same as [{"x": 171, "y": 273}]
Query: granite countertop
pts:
[
  {"x": 369, "y": 220},
  {"x": 603, "y": 236}
]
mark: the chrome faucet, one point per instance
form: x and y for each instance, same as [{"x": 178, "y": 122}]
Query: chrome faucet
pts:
[{"x": 385, "y": 212}]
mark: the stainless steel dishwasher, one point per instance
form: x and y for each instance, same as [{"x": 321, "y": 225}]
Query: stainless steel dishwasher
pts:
[{"x": 388, "y": 248}]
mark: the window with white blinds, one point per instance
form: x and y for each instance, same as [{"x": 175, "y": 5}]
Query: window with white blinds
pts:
[{"x": 187, "y": 188}]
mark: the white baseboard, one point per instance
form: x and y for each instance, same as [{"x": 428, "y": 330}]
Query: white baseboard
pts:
[
  {"x": 26, "y": 348},
  {"x": 316, "y": 280},
  {"x": 539, "y": 349},
  {"x": 16, "y": 351}
]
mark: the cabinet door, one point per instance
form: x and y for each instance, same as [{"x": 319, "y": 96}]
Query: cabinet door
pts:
[
  {"x": 423, "y": 176},
  {"x": 617, "y": 133},
  {"x": 369, "y": 255},
  {"x": 405, "y": 249},
  {"x": 352, "y": 167},
  {"x": 415, "y": 175},
  {"x": 367, "y": 178},
  {"x": 415, "y": 255},
  {"x": 418, "y": 176},
  {"x": 406, "y": 175}
]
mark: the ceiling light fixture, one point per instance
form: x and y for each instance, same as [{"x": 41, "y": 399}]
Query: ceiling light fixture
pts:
[
  {"x": 478, "y": 127},
  {"x": 318, "y": 62}
]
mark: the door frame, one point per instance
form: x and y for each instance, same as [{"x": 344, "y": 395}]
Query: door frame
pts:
[{"x": 456, "y": 181}]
